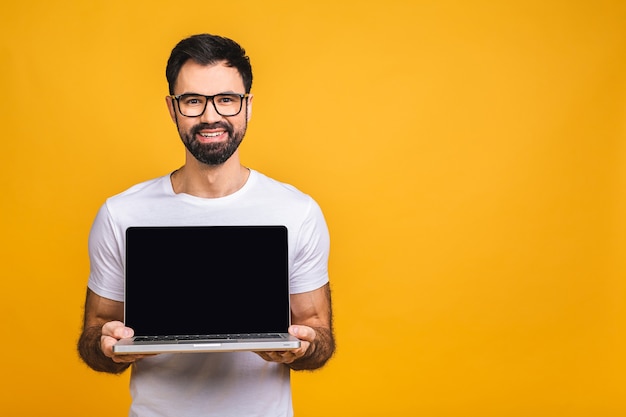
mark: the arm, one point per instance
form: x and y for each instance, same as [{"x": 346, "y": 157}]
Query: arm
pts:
[
  {"x": 311, "y": 314},
  {"x": 102, "y": 328}
]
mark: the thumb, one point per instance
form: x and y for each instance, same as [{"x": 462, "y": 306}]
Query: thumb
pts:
[
  {"x": 117, "y": 330},
  {"x": 302, "y": 332}
]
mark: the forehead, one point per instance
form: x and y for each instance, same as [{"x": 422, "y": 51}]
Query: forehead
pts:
[{"x": 208, "y": 79}]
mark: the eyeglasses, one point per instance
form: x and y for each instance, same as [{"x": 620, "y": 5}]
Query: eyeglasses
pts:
[{"x": 194, "y": 105}]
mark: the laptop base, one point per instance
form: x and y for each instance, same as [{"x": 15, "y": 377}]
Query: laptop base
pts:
[{"x": 130, "y": 347}]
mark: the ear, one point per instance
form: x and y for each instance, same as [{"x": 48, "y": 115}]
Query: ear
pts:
[
  {"x": 249, "y": 107},
  {"x": 170, "y": 107}
]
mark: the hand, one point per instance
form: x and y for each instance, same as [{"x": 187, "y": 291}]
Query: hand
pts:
[
  {"x": 305, "y": 334},
  {"x": 111, "y": 333}
]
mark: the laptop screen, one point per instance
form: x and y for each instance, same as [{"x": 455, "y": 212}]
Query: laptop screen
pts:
[{"x": 197, "y": 280}]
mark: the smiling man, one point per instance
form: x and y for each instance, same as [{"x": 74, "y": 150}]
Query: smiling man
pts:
[
  {"x": 222, "y": 124},
  {"x": 210, "y": 80}
]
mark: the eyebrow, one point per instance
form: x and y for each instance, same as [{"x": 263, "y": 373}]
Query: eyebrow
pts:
[{"x": 210, "y": 95}]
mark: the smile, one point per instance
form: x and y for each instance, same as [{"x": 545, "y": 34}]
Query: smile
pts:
[{"x": 211, "y": 135}]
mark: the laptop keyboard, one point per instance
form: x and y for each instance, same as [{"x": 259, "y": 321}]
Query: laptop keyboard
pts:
[{"x": 195, "y": 338}]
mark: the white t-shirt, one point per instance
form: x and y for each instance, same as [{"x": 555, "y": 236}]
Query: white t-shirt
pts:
[{"x": 210, "y": 384}]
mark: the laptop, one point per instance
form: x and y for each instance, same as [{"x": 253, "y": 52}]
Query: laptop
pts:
[{"x": 206, "y": 289}]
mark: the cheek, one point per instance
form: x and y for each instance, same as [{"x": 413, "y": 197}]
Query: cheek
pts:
[
  {"x": 241, "y": 124},
  {"x": 184, "y": 126}
]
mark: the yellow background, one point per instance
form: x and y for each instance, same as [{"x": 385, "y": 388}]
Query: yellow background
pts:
[{"x": 469, "y": 157}]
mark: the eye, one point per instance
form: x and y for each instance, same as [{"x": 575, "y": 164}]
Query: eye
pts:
[
  {"x": 227, "y": 99},
  {"x": 192, "y": 100}
]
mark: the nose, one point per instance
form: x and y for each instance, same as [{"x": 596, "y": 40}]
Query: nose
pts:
[{"x": 210, "y": 115}]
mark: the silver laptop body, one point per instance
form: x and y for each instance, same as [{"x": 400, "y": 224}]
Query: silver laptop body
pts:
[{"x": 206, "y": 289}]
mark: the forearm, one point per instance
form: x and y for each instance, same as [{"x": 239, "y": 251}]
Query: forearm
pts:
[
  {"x": 91, "y": 353},
  {"x": 318, "y": 353}
]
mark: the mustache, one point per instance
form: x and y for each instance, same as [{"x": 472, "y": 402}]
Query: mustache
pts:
[{"x": 217, "y": 125}]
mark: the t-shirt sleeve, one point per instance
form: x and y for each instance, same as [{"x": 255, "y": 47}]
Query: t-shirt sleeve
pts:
[
  {"x": 310, "y": 269},
  {"x": 106, "y": 277}
]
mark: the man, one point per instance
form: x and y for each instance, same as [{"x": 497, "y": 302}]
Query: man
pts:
[{"x": 210, "y": 79}]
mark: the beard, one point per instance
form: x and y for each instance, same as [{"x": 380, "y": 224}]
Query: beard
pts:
[{"x": 213, "y": 153}]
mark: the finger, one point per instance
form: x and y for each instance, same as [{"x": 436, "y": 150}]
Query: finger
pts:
[
  {"x": 107, "y": 343},
  {"x": 124, "y": 358},
  {"x": 305, "y": 333},
  {"x": 280, "y": 356},
  {"x": 117, "y": 330},
  {"x": 264, "y": 356},
  {"x": 128, "y": 358},
  {"x": 111, "y": 333}
]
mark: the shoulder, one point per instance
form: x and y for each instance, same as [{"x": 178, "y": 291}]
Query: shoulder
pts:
[
  {"x": 150, "y": 187},
  {"x": 145, "y": 191},
  {"x": 289, "y": 203},
  {"x": 284, "y": 199},
  {"x": 275, "y": 188},
  {"x": 135, "y": 201}
]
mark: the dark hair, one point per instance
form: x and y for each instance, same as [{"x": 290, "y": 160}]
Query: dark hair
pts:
[{"x": 208, "y": 49}]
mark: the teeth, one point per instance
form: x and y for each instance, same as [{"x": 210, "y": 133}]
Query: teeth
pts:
[{"x": 210, "y": 135}]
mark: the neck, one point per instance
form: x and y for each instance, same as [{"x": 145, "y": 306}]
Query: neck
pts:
[{"x": 201, "y": 180}]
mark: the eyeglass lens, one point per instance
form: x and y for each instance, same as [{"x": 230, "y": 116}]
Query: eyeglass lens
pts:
[{"x": 192, "y": 105}]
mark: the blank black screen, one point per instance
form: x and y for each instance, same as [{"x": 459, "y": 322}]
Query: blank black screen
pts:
[{"x": 206, "y": 280}]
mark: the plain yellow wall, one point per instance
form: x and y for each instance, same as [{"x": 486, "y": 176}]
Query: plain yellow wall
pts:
[{"x": 469, "y": 157}]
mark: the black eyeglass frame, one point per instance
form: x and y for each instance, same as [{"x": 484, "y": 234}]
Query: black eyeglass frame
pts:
[{"x": 211, "y": 99}]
